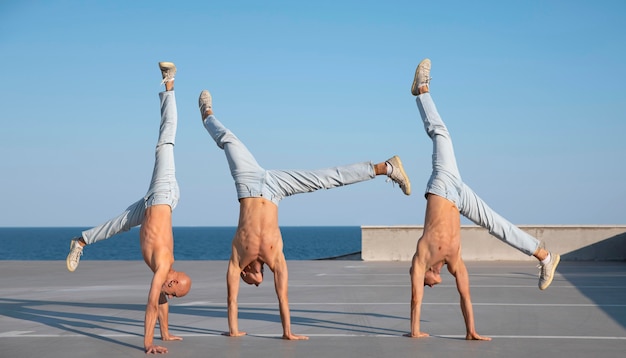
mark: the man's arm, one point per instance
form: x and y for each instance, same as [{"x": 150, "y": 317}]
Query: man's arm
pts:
[
  {"x": 417, "y": 294},
  {"x": 459, "y": 271},
  {"x": 281, "y": 278},
  {"x": 232, "y": 286},
  {"x": 163, "y": 320},
  {"x": 152, "y": 311}
]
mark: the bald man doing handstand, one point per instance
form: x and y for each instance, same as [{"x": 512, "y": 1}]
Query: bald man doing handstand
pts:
[
  {"x": 154, "y": 213},
  {"x": 258, "y": 240},
  {"x": 448, "y": 197}
]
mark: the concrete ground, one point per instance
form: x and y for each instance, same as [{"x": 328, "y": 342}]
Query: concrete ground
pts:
[{"x": 347, "y": 308}]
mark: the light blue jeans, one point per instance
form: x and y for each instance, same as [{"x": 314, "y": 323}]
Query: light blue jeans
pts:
[
  {"x": 446, "y": 182},
  {"x": 163, "y": 186},
  {"x": 251, "y": 180}
]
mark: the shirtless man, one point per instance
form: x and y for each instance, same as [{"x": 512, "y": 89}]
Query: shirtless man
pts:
[
  {"x": 154, "y": 213},
  {"x": 446, "y": 198},
  {"x": 258, "y": 240}
]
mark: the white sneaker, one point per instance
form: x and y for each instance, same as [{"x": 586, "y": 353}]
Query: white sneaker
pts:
[
  {"x": 168, "y": 71},
  {"x": 547, "y": 271},
  {"x": 205, "y": 102},
  {"x": 73, "y": 258},
  {"x": 398, "y": 175},
  {"x": 422, "y": 76}
]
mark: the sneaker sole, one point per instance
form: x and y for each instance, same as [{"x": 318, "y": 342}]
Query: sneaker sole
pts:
[
  {"x": 67, "y": 260},
  {"x": 67, "y": 263},
  {"x": 549, "y": 282},
  {"x": 166, "y": 65}
]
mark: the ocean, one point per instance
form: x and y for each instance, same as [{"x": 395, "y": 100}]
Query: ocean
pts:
[{"x": 190, "y": 243}]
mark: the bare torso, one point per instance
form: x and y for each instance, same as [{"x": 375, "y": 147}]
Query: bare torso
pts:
[
  {"x": 258, "y": 235},
  {"x": 441, "y": 241},
  {"x": 156, "y": 238}
]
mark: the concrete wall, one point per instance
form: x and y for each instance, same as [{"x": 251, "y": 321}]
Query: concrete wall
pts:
[{"x": 588, "y": 243}]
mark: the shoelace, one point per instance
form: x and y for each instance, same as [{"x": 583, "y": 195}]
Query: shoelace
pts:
[
  {"x": 427, "y": 82},
  {"x": 542, "y": 270},
  {"x": 393, "y": 181},
  {"x": 76, "y": 254},
  {"x": 167, "y": 78}
]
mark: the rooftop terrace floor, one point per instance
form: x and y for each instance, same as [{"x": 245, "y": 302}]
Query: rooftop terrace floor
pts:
[{"x": 347, "y": 308}]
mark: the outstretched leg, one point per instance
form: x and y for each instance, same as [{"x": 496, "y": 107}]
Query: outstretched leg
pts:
[
  {"x": 248, "y": 175},
  {"x": 475, "y": 209},
  {"x": 252, "y": 180},
  {"x": 285, "y": 183},
  {"x": 163, "y": 185},
  {"x": 445, "y": 180}
]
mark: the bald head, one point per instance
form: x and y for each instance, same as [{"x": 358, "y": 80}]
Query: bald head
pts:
[
  {"x": 253, "y": 273},
  {"x": 184, "y": 284},
  {"x": 177, "y": 284}
]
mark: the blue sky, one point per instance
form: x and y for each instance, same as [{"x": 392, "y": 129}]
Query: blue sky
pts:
[{"x": 532, "y": 91}]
